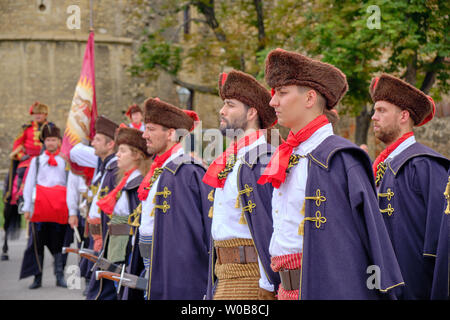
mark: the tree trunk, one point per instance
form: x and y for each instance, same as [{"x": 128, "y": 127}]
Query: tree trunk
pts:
[
  {"x": 430, "y": 76},
  {"x": 207, "y": 9},
  {"x": 260, "y": 22},
  {"x": 362, "y": 126}
]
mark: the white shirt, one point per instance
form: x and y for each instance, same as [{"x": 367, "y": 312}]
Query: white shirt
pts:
[
  {"x": 147, "y": 221},
  {"x": 75, "y": 186},
  {"x": 122, "y": 207},
  {"x": 225, "y": 223},
  {"x": 142, "y": 128},
  {"x": 83, "y": 155},
  {"x": 48, "y": 176},
  {"x": 94, "y": 211},
  {"x": 287, "y": 201},
  {"x": 401, "y": 147}
]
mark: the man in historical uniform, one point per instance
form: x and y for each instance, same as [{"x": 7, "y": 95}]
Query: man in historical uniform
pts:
[
  {"x": 410, "y": 178},
  {"x": 46, "y": 208},
  {"x": 329, "y": 236},
  {"x": 26, "y": 146},
  {"x": 174, "y": 231},
  {"x": 242, "y": 211},
  {"x": 136, "y": 117},
  {"x": 101, "y": 153}
]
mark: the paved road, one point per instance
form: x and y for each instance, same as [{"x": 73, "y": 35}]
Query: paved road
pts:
[{"x": 13, "y": 289}]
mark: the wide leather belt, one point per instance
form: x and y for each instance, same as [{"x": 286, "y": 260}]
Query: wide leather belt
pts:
[
  {"x": 290, "y": 279},
  {"x": 95, "y": 229},
  {"x": 241, "y": 254},
  {"x": 145, "y": 249},
  {"x": 119, "y": 229}
]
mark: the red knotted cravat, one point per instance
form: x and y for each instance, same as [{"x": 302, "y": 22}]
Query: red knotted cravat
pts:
[
  {"x": 51, "y": 157},
  {"x": 211, "y": 176},
  {"x": 386, "y": 152},
  {"x": 275, "y": 172},
  {"x": 157, "y": 163},
  {"x": 108, "y": 203}
]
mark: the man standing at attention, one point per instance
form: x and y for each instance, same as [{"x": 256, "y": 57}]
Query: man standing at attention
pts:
[
  {"x": 242, "y": 215},
  {"x": 410, "y": 178},
  {"x": 327, "y": 228}
]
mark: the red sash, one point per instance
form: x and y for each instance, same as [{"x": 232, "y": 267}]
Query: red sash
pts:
[{"x": 50, "y": 205}]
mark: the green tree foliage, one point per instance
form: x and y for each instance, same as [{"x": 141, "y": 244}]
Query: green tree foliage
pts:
[{"x": 411, "y": 42}]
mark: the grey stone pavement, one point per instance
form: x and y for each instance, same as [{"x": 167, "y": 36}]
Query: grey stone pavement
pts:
[{"x": 11, "y": 288}]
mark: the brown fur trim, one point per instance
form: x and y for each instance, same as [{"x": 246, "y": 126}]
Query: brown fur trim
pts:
[
  {"x": 291, "y": 68},
  {"x": 39, "y": 108},
  {"x": 131, "y": 137},
  {"x": 167, "y": 115},
  {"x": 132, "y": 109},
  {"x": 106, "y": 127},
  {"x": 50, "y": 130},
  {"x": 403, "y": 95},
  {"x": 244, "y": 88}
]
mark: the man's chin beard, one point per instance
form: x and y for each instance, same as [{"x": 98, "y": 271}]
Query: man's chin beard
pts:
[{"x": 387, "y": 137}]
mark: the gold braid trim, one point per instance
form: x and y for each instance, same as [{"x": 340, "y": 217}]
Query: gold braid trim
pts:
[
  {"x": 211, "y": 199},
  {"x": 235, "y": 242},
  {"x": 447, "y": 197}
]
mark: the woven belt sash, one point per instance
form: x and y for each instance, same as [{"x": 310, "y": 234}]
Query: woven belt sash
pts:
[{"x": 236, "y": 270}]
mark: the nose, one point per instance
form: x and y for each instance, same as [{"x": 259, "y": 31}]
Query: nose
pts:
[
  {"x": 375, "y": 116},
  {"x": 222, "y": 111},
  {"x": 274, "y": 102}
]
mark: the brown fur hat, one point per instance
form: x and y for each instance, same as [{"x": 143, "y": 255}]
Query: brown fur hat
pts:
[
  {"x": 405, "y": 96},
  {"x": 105, "y": 126},
  {"x": 38, "y": 107},
  {"x": 132, "y": 109},
  {"x": 131, "y": 137},
  {"x": 167, "y": 115},
  {"x": 244, "y": 88},
  {"x": 291, "y": 68},
  {"x": 50, "y": 130}
]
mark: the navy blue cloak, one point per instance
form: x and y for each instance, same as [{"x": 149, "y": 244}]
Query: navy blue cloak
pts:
[
  {"x": 412, "y": 203},
  {"x": 104, "y": 289},
  {"x": 347, "y": 253},
  {"x": 179, "y": 256}
]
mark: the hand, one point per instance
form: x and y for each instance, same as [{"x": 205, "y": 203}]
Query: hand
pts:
[
  {"x": 266, "y": 295},
  {"x": 27, "y": 215},
  {"x": 73, "y": 221},
  {"x": 364, "y": 147}
]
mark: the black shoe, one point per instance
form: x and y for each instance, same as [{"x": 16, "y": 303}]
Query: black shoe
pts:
[
  {"x": 37, "y": 283},
  {"x": 4, "y": 257}
]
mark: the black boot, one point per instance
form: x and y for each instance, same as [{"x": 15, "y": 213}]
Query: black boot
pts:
[
  {"x": 5, "y": 249},
  {"x": 59, "y": 271},
  {"x": 86, "y": 288},
  {"x": 37, "y": 283}
]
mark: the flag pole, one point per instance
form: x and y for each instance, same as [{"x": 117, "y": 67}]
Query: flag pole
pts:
[{"x": 91, "y": 20}]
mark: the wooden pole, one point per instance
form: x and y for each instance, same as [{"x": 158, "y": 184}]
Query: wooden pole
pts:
[{"x": 91, "y": 20}]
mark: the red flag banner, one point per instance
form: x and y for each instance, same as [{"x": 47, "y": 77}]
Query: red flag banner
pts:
[{"x": 80, "y": 126}]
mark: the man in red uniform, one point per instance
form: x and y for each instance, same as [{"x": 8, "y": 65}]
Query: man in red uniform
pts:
[{"x": 26, "y": 146}]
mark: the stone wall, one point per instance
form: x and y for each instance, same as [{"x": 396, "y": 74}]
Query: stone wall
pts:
[{"x": 40, "y": 59}]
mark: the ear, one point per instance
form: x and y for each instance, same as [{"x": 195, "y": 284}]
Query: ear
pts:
[
  {"x": 252, "y": 114},
  {"x": 405, "y": 116},
  {"x": 311, "y": 98},
  {"x": 172, "y": 136}
]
